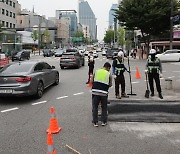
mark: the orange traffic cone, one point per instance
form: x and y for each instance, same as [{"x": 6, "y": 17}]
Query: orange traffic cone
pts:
[
  {"x": 137, "y": 73},
  {"x": 50, "y": 146},
  {"x": 90, "y": 81},
  {"x": 53, "y": 125}
]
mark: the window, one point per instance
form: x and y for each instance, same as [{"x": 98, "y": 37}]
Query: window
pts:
[
  {"x": 14, "y": 25},
  {"x": 3, "y": 11},
  {"x": 38, "y": 67},
  {"x": 7, "y": 24},
  {"x": 14, "y": 5},
  {"x": 6, "y": 1},
  {"x": 14, "y": 15},
  {"x": 46, "y": 66},
  {"x": 10, "y": 3},
  {"x": 10, "y": 25},
  {"x": 3, "y": 23},
  {"x": 10, "y": 14},
  {"x": 7, "y": 13}
]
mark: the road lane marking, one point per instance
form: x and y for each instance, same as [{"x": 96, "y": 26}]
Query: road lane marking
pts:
[
  {"x": 39, "y": 103},
  {"x": 78, "y": 93},
  {"x": 9, "y": 110},
  {"x": 62, "y": 97},
  {"x": 171, "y": 77},
  {"x": 176, "y": 71},
  {"x": 134, "y": 82}
]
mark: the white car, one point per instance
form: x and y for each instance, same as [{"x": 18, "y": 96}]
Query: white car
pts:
[
  {"x": 104, "y": 53},
  {"x": 95, "y": 54},
  {"x": 170, "y": 55}
]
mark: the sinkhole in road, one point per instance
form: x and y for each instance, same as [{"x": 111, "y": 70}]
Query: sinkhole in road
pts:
[{"x": 159, "y": 111}]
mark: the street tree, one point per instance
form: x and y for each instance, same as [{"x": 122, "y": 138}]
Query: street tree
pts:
[
  {"x": 152, "y": 17},
  {"x": 79, "y": 34},
  {"x": 46, "y": 36},
  {"x": 109, "y": 36},
  {"x": 121, "y": 36},
  {"x": 34, "y": 36}
]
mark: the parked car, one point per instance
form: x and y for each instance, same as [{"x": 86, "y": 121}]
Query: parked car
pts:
[
  {"x": 59, "y": 52},
  {"x": 170, "y": 55},
  {"x": 115, "y": 53},
  {"x": 48, "y": 53},
  {"x": 27, "y": 78},
  {"x": 72, "y": 58},
  {"x": 21, "y": 55}
]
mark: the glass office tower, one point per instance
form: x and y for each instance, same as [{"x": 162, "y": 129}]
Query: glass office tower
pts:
[
  {"x": 111, "y": 15},
  {"x": 87, "y": 17}
]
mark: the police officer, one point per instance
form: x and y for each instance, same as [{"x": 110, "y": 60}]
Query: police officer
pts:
[
  {"x": 90, "y": 65},
  {"x": 154, "y": 70},
  {"x": 102, "y": 80},
  {"x": 118, "y": 70}
]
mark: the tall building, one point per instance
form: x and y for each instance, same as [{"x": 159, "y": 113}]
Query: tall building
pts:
[
  {"x": 87, "y": 17},
  {"x": 8, "y": 11},
  {"x": 111, "y": 15},
  {"x": 71, "y": 14}
]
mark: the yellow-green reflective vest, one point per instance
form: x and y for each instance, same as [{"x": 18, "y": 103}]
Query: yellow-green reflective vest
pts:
[
  {"x": 153, "y": 66},
  {"x": 119, "y": 67},
  {"x": 101, "y": 81}
]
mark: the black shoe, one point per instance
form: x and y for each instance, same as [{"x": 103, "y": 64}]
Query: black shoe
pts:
[
  {"x": 103, "y": 123},
  {"x": 152, "y": 94},
  {"x": 87, "y": 82},
  {"x": 160, "y": 96},
  {"x": 95, "y": 124}
]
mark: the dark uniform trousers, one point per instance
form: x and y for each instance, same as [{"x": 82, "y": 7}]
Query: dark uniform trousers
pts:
[
  {"x": 95, "y": 102},
  {"x": 119, "y": 80},
  {"x": 154, "y": 76},
  {"x": 90, "y": 72}
]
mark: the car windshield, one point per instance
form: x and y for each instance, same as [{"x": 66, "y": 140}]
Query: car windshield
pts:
[
  {"x": 71, "y": 50},
  {"x": 46, "y": 50},
  {"x": 59, "y": 51},
  {"x": 16, "y": 68},
  {"x": 19, "y": 53}
]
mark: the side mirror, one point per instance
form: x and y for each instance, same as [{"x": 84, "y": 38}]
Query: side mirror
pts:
[{"x": 53, "y": 67}]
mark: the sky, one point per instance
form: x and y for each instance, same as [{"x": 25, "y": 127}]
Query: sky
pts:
[{"x": 100, "y": 8}]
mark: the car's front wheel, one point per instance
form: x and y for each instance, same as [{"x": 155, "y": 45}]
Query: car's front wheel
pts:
[
  {"x": 40, "y": 90},
  {"x": 56, "y": 79}
]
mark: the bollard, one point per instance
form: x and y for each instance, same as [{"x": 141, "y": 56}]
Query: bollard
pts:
[{"x": 168, "y": 83}]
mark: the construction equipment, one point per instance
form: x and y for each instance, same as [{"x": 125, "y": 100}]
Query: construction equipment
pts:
[{"x": 147, "y": 86}]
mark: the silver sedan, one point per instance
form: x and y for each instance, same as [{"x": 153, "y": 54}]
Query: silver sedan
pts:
[{"x": 27, "y": 78}]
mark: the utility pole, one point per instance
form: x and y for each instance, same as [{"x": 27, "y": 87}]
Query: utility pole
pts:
[
  {"x": 171, "y": 26},
  {"x": 39, "y": 33}
]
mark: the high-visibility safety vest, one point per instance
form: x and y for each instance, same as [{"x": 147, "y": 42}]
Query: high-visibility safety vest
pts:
[
  {"x": 153, "y": 66},
  {"x": 101, "y": 81},
  {"x": 119, "y": 67}
]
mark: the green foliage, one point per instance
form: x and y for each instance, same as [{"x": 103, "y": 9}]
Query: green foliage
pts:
[
  {"x": 79, "y": 34},
  {"x": 46, "y": 36},
  {"x": 152, "y": 17},
  {"x": 109, "y": 36},
  {"x": 34, "y": 35},
  {"x": 121, "y": 36}
]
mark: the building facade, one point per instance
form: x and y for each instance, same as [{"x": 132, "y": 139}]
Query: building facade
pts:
[
  {"x": 87, "y": 17},
  {"x": 111, "y": 15},
  {"x": 8, "y": 11},
  {"x": 71, "y": 14}
]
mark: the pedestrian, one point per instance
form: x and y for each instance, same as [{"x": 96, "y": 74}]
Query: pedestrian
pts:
[
  {"x": 154, "y": 71},
  {"x": 118, "y": 69},
  {"x": 134, "y": 53},
  {"x": 102, "y": 80},
  {"x": 91, "y": 63}
]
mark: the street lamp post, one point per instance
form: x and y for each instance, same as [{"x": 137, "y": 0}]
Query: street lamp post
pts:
[{"x": 171, "y": 26}]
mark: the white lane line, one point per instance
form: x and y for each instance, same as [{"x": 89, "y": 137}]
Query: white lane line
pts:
[
  {"x": 62, "y": 97},
  {"x": 39, "y": 103},
  {"x": 176, "y": 71},
  {"x": 134, "y": 82},
  {"x": 9, "y": 110},
  {"x": 78, "y": 93},
  {"x": 171, "y": 77}
]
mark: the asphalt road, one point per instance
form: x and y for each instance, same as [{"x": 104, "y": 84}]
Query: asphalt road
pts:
[{"x": 24, "y": 121}]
